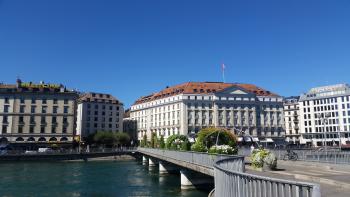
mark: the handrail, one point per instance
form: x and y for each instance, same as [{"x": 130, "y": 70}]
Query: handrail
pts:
[{"x": 230, "y": 182}]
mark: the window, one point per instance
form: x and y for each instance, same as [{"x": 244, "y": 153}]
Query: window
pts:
[
  {"x": 21, "y": 108},
  {"x": 7, "y": 100},
  {"x": 31, "y": 129},
  {"x": 32, "y": 109},
  {"x": 110, "y": 107},
  {"x": 64, "y": 130},
  {"x": 65, "y": 101},
  {"x": 44, "y": 109},
  {"x": 22, "y": 100},
  {"x": 6, "y": 108},
  {"x": 32, "y": 121},
  {"x": 44, "y": 101},
  {"x": 20, "y": 119},
  {"x": 88, "y": 106},
  {"x": 65, "y": 120},
  {"x": 65, "y": 110},
  {"x": 42, "y": 129},
  {"x": 53, "y": 130},
  {"x": 4, "y": 129},
  {"x": 54, "y": 109},
  {"x": 54, "y": 119},
  {"x": 54, "y": 101},
  {"x": 33, "y": 100},
  {"x": 20, "y": 129},
  {"x": 42, "y": 120},
  {"x": 4, "y": 119}
]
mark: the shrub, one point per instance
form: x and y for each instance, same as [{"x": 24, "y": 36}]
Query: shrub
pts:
[
  {"x": 161, "y": 142},
  {"x": 174, "y": 142},
  {"x": 260, "y": 157},
  {"x": 223, "y": 149},
  {"x": 185, "y": 146},
  {"x": 199, "y": 147},
  {"x": 208, "y": 137}
]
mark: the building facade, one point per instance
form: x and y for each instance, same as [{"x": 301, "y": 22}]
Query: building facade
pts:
[
  {"x": 325, "y": 115},
  {"x": 130, "y": 127},
  {"x": 291, "y": 119},
  {"x": 37, "y": 113},
  {"x": 99, "y": 112},
  {"x": 189, "y": 107}
]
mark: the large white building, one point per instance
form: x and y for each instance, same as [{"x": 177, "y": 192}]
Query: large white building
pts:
[
  {"x": 291, "y": 119},
  {"x": 325, "y": 115},
  {"x": 188, "y": 107},
  {"x": 99, "y": 112}
]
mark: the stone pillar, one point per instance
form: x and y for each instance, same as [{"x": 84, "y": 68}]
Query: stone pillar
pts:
[
  {"x": 151, "y": 162},
  {"x": 144, "y": 160},
  {"x": 185, "y": 180},
  {"x": 166, "y": 168},
  {"x": 192, "y": 180}
]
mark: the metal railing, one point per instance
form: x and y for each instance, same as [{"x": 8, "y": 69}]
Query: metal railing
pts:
[
  {"x": 231, "y": 181},
  {"x": 197, "y": 158},
  {"x": 335, "y": 157}
]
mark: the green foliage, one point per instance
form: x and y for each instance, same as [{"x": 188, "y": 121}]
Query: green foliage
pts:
[
  {"x": 154, "y": 140},
  {"x": 161, "y": 142},
  {"x": 223, "y": 149},
  {"x": 262, "y": 156},
  {"x": 207, "y": 138},
  {"x": 185, "y": 146},
  {"x": 174, "y": 142},
  {"x": 144, "y": 141},
  {"x": 111, "y": 138},
  {"x": 199, "y": 147}
]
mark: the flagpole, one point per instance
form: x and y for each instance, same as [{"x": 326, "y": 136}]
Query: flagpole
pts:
[{"x": 223, "y": 72}]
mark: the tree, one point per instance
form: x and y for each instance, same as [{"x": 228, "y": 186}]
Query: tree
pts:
[
  {"x": 161, "y": 142},
  {"x": 122, "y": 138},
  {"x": 144, "y": 141}
]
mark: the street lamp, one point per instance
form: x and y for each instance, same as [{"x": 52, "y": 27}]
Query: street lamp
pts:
[{"x": 324, "y": 118}]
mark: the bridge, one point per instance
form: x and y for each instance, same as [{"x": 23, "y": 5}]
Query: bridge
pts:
[{"x": 230, "y": 178}]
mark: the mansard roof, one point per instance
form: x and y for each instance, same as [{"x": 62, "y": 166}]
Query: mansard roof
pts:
[{"x": 203, "y": 88}]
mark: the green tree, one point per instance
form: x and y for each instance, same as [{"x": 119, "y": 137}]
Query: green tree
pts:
[
  {"x": 154, "y": 140},
  {"x": 144, "y": 141},
  {"x": 161, "y": 142},
  {"x": 122, "y": 138}
]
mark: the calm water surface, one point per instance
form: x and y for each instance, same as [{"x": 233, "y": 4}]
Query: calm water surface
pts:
[{"x": 92, "y": 179}]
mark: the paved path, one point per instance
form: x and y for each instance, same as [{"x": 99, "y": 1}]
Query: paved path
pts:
[{"x": 334, "y": 179}]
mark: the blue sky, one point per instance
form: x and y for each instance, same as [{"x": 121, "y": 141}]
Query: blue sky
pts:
[{"x": 131, "y": 48}]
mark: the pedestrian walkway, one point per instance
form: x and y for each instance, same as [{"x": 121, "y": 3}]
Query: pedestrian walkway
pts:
[{"x": 334, "y": 179}]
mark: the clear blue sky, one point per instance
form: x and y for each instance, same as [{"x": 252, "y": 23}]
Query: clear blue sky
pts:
[{"x": 131, "y": 48}]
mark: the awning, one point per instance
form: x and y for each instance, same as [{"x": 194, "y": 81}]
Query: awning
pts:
[{"x": 267, "y": 140}]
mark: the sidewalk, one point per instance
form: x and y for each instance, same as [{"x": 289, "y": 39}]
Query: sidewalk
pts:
[{"x": 334, "y": 179}]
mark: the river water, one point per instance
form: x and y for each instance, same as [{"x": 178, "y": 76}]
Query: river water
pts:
[{"x": 91, "y": 179}]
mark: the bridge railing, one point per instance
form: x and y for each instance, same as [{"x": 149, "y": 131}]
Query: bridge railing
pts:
[
  {"x": 203, "y": 159},
  {"x": 231, "y": 179},
  {"x": 335, "y": 157},
  {"x": 230, "y": 182}
]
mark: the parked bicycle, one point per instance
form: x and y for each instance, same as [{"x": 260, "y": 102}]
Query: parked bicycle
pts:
[{"x": 290, "y": 155}]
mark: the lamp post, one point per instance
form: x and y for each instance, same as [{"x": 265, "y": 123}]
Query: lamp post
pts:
[{"x": 324, "y": 118}]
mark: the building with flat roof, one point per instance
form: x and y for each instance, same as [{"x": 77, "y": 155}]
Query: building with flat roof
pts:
[
  {"x": 325, "y": 115},
  {"x": 99, "y": 112},
  {"x": 191, "y": 106},
  {"x": 37, "y": 113},
  {"x": 291, "y": 119}
]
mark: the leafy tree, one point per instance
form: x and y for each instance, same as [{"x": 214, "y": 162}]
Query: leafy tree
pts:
[
  {"x": 174, "y": 141},
  {"x": 161, "y": 142},
  {"x": 144, "y": 141},
  {"x": 154, "y": 140}
]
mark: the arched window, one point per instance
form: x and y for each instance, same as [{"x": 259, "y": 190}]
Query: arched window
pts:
[
  {"x": 31, "y": 139},
  {"x": 53, "y": 139},
  {"x": 42, "y": 139},
  {"x": 63, "y": 139},
  {"x": 19, "y": 139}
]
